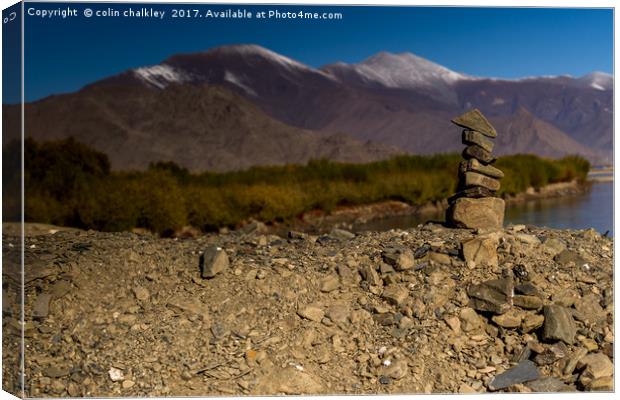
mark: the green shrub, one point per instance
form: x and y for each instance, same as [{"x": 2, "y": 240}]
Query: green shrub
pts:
[{"x": 68, "y": 183}]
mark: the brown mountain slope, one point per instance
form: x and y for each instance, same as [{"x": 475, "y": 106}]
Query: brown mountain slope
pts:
[{"x": 199, "y": 127}]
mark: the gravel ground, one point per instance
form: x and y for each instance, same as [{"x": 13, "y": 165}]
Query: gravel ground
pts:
[{"x": 425, "y": 310}]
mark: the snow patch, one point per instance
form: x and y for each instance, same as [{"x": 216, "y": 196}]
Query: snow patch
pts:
[
  {"x": 161, "y": 75},
  {"x": 235, "y": 80}
]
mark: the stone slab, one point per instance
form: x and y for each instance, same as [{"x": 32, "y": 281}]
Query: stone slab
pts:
[
  {"x": 474, "y": 137},
  {"x": 474, "y": 120},
  {"x": 483, "y": 213},
  {"x": 476, "y": 166},
  {"x": 477, "y": 152},
  {"x": 475, "y": 179}
]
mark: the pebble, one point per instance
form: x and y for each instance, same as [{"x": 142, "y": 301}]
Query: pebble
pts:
[
  {"x": 312, "y": 313},
  {"x": 395, "y": 294},
  {"x": 330, "y": 283}
]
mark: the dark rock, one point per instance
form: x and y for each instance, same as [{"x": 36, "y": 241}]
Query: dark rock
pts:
[
  {"x": 526, "y": 289},
  {"x": 525, "y": 371},
  {"x": 475, "y": 192},
  {"x": 422, "y": 251},
  {"x": 213, "y": 261},
  {"x": 384, "y": 380},
  {"x": 296, "y": 235},
  {"x": 473, "y": 137},
  {"x": 559, "y": 324},
  {"x": 474, "y": 120},
  {"x": 478, "y": 153},
  {"x": 494, "y": 295}
]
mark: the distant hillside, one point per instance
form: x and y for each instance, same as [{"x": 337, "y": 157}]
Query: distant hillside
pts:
[{"x": 199, "y": 127}]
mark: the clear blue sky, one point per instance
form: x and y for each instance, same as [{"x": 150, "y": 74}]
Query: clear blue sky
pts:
[{"x": 62, "y": 55}]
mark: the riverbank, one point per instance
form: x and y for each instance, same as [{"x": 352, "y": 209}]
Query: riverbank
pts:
[
  {"x": 351, "y": 216},
  {"x": 425, "y": 310}
]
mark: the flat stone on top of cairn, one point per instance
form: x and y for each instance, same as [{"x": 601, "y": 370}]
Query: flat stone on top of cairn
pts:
[{"x": 476, "y": 205}]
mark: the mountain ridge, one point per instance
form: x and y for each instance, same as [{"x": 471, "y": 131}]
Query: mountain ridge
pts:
[{"x": 397, "y": 100}]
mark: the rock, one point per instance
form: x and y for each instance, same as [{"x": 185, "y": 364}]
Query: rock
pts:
[
  {"x": 475, "y": 166},
  {"x": 370, "y": 275},
  {"x": 549, "y": 384},
  {"x": 116, "y": 374},
  {"x": 553, "y": 246},
  {"x": 566, "y": 257},
  {"x": 294, "y": 235},
  {"x": 511, "y": 319},
  {"x": 481, "y": 250},
  {"x": 466, "y": 389},
  {"x": 527, "y": 239},
  {"x": 566, "y": 297},
  {"x": 397, "y": 370},
  {"x": 532, "y": 322},
  {"x": 475, "y": 179},
  {"x": 559, "y": 324},
  {"x": 60, "y": 288},
  {"x": 41, "y": 307},
  {"x": 73, "y": 390},
  {"x": 597, "y": 365},
  {"x": 454, "y": 323},
  {"x": 494, "y": 295},
  {"x": 473, "y": 137},
  {"x": 290, "y": 381},
  {"x": 127, "y": 384},
  {"x": 56, "y": 372},
  {"x": 401, "y": 258},
  {"x": 527, "y": 302},
  {"x": 477, "y": 152},
  {"x": 484, "y": 213},
  {"x": 474, "y": 120},
  {"x": 395, "y": 294},
  {"x": 604, "y": 384},
  {"x": 475, "y": 192},
  {"x": 213, "y": 261},
  {"x": 347, "y": 276},
  {"x": 341, "y": 234},
  {"x": 439, "y": 258},
  {"x": 330, "y": 283},
  {"x": 523, "y": 372},
  {"x": 338, "y": 313},
  {"x": 312, "y": 313},
  {"x": 590, "y": 307},
  {"x": 526, "y": 289},
  {"x": 574, "y": 359},
  {"x": 470, "y": 320},
  {"x": 551, "y": 354},
  {"x": 141, "y": 293}
]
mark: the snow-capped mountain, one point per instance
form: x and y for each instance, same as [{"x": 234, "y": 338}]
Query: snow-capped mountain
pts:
[
  {"x": 400, "y": 71},
  {"x": 400, "y": 100}
]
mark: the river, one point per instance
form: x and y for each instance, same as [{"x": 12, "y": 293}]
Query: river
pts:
[{"x": 593, "y": 209}]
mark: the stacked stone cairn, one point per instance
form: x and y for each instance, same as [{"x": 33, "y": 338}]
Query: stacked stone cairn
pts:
[{"x": 476, "y": 205}]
